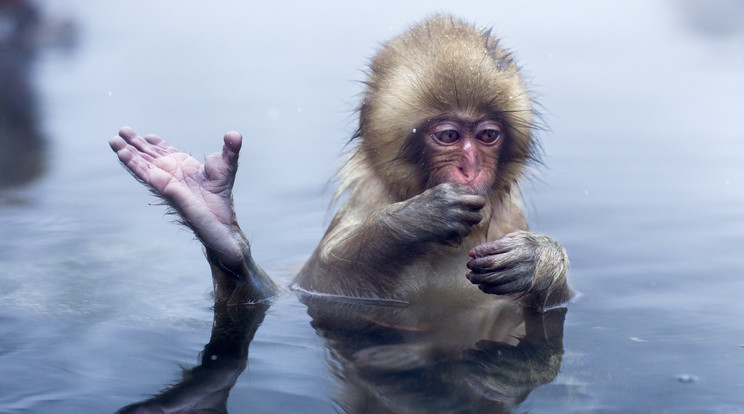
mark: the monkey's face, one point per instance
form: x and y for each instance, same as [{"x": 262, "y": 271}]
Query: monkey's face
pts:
[{"x": 463, "y": 152}]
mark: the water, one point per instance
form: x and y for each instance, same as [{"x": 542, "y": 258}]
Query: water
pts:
[{"x": 103, "y": 300}]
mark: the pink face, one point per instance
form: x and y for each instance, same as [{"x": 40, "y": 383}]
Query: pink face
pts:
[{"x": 464, "y": 152}]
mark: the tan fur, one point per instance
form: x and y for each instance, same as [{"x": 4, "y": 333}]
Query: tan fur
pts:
[{"x": 440, "y": 67}]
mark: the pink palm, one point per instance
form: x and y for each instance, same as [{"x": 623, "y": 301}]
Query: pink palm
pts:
[{"x": 201, "y": 193}]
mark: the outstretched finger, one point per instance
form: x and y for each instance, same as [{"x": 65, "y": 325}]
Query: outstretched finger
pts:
[
  {"x": 123, "y": 148},
  {"x": 231, "y": 149},
  {"x": 135, "y": 162},
  {"x": 160, "y": 144},
  {"x": 117, "y": 143},
  {"x": 131, "y": 138},
  {"x": 139, "y": 143}
]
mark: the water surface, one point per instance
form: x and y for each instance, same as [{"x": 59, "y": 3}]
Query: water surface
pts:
[{"x": 103, "y": 300}]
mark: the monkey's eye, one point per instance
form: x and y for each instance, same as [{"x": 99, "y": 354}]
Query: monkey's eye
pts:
[
  {"x": 449, "y": 136},
  {"x": 488, "y": 136}
]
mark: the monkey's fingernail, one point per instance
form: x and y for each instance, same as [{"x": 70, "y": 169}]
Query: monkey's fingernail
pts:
[
  {"x": 468, "y": 276},
  {"x": 471, "y": 254}
]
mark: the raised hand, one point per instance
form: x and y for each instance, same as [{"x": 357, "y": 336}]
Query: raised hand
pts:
[{"x": 200, "y": 193}]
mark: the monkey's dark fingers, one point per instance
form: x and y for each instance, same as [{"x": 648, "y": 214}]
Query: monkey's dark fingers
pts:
[
  {"x": 470, "y": 218},
  {"x": 453, "y": 235},
  {"x": 460, "y": 205},
  {"x": 472, "y": 202},
  {"x": 499, "y": 260},
  {"x": 500, "y": 275},
  {"x": 487, "y": 249},
  {"x": 490, "y": 249},
  {"x": 456, "y": 188},
  {"x": 515, "y": 286},
  {"x": 463, "y": 194},
  {"x": 510, "y": 280}
]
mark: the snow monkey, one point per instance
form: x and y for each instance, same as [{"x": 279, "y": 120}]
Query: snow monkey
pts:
[{"x": 433, "y": 213}]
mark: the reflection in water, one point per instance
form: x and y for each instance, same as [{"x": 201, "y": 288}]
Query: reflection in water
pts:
[
  {"x": 205, "y": 388},
  {"x": 22, "y": 33},
  {"x": 391, "y": 357},
  {"x": 438, "y": 358}
]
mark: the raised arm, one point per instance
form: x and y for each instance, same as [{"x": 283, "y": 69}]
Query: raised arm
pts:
[{"x": 201, "y": 194}]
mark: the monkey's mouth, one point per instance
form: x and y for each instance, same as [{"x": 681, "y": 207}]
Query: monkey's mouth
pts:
[{"x": 478, "y": 181}]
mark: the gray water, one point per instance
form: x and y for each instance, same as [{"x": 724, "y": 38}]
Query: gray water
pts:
[{"x": 103, "y": 300}]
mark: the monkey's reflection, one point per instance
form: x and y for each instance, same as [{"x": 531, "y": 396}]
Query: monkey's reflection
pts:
[
  {"x": 398, "y": 358},
  {"x": 391, "y": 357}
]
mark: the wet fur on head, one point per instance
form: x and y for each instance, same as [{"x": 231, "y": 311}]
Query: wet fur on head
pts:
[{"x": 442, "y": 66}]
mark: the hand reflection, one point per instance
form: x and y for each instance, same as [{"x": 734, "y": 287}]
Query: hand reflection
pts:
[{"x": 205, "y": 388}]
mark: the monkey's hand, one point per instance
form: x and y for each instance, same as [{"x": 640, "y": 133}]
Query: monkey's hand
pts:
[
  {"x": 201, "y": 194},
  {"x": 445, "y": 214},
  {"x": 521, "y": 262}
]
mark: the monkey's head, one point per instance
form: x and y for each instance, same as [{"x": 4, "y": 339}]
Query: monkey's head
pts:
[{"x": 444, "y": 103}]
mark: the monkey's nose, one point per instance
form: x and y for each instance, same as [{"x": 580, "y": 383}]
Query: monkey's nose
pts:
[{"x": 469, "y": 171}]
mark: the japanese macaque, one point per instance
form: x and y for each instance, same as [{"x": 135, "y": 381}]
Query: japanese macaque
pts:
[
  {"x": 427, "y": 268},
  {"x": 445, "y": 130}
]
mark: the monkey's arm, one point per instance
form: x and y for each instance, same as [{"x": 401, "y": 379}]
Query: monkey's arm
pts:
[
  {"x": 201, "y": 194},
  {"x": 522, "y": 262},
  {"x": 242, "y": 282},
  {"x": 377, "y": 245}
]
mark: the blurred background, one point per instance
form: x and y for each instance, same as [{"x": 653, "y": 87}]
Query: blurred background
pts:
[{"x": 103, "y": 299}]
